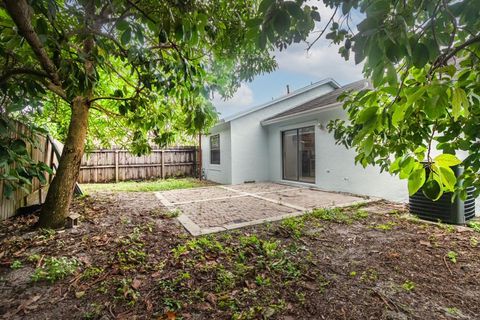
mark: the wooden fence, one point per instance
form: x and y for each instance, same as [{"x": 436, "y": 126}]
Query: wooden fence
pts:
[
  {"x": 119, "y": 165},
  {"x": 41, "y": 150},
  {"x": 98, "y": 166}
]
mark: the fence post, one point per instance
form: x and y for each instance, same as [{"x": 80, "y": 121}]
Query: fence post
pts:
[
  {"x": 116, "y": 166},
  {"x": 163, "y": 163}
]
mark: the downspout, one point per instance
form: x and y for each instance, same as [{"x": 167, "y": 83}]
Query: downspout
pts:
[{"x": 200, "y": 156}]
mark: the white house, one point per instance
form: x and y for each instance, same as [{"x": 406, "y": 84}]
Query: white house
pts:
[{"x": 286, "y": 140}]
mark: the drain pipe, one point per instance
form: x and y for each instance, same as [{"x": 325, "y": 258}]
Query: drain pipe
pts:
[{"x": 200, "y": 156}]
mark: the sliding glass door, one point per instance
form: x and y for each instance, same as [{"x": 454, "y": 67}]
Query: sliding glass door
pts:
[{"x": 298, "y": 147}]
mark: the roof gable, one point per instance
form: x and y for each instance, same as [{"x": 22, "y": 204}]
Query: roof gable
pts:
[
  {"x": 295, "y": 93},
  {"x": 319, "y": 103}
]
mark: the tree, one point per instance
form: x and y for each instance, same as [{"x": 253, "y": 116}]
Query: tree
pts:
[
  {"x": 423, "y": 59},
  {"x": 147, "y": 67}
]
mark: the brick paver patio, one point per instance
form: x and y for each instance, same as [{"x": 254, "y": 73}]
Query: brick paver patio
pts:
[{"x": 218, "y": 208}]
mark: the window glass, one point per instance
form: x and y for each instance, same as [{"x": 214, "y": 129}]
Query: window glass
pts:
[{"x": 215, "y": 149}]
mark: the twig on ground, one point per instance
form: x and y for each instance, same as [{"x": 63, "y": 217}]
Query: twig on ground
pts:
[{"x": 446, "y": 265}]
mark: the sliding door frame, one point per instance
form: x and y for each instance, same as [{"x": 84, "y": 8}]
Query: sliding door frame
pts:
[{"x": 282, "y": 138}]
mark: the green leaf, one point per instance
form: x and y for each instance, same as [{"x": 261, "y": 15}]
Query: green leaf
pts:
[
  {"x": 281, "y": 22},
  {"x": 399, "y": 114},
  {"x": 122, "y": 109},
  {"x": 8, "y": 190},
  {"x": 366, "y": 115},
  {"x": 392, "y": 75},
  {"x": 122, "y": 25},
  {"x": 126, "y": 36},
  {"x": 19, "y": 146},
  {"x": 294, "y": 9},
  {"x": 415, "y": 95},
  {"x": 446, "y": 160},
  {"x": 42, "y": 26},
  {"x": 265, "y": 5},
  {"x": 433, "y": 109},
  {"x": 395, "y": 166},
  {"x": 420, "y": 153},
  {"x": 406, "y": 167},
  {"x": 315, "y": 15},
  {"x": 416, "y": 180},
  {"x": 262, "y": 40},
  {"x": 432, "y": 189},
  {"x": 368, "y": 145},
  {"x": 162, "y": 36},
  {"x": 420, "y": 55},
  {"x": 448, "y": 177},
  {"x": 459, "y": 103}
]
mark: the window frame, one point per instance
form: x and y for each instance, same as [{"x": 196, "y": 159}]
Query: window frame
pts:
[{"x": 217, "y": 149}]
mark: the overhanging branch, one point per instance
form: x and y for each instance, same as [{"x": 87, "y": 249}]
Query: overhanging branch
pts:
[
  {"x": 21, "y": 13},
  {"x": 110, "y": 98},
  {"x": 15, "y": 71}
]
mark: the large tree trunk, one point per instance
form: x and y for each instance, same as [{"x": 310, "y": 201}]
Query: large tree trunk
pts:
[{"x": 60, "y": 192}]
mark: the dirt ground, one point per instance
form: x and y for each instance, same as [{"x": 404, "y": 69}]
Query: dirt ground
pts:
[{"x": 135, "y": 261}]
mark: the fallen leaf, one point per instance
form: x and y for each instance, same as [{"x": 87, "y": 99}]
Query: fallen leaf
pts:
[
  {"x": 136, "y": 284},
  {"x": 426, "y": 243},
  {"x": 171, "y": 315},
  {"x": 212, "y": 298},
  {"x": 79, "y": 294}
]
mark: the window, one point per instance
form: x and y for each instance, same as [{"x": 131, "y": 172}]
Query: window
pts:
[
  {"x": 299, "y": 154},
  {"x": 215, "y": 149}
]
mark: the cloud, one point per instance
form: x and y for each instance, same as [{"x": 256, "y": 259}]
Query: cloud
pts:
[
  {"x": 242, "y": 99},
  {"x": 322, "y": 61}
]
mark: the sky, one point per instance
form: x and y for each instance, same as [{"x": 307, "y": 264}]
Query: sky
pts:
[{"x": 296, "y": 68}]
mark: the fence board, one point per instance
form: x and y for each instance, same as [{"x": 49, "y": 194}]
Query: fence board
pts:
[{"x": 99, "y": 166}]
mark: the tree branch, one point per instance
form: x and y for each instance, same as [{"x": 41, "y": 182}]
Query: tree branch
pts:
[
  {"x": 324, "y": 29},
  {"x": 110, "y": 98},
  {"x": 21, "y": 13},
  {"x": 15, "y": 71}
]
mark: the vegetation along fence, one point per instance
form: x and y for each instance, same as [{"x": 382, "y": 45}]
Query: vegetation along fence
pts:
[
  {"x": 42, "y": 150},
  {"x": 119, "y": 165}
]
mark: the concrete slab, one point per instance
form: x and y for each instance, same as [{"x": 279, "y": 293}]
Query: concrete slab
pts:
[
  {"x": 311, "y": 198},
  {"x": 197, "y": 194},
  {"x": 219, "y": 208}
]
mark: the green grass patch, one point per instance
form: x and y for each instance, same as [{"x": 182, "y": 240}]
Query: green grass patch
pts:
[{"x": 143, "y": 186}]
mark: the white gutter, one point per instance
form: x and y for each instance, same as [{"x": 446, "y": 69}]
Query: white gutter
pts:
[{"x": 301, "y": 114}]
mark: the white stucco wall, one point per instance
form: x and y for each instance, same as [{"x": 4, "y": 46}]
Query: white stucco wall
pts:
[
  {"x": 250, "y": 144},
  {"x": 335, "y": 168},
  {"x": 220, "y": 173}
]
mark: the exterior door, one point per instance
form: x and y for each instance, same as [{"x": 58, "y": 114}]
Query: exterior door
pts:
[{"x": 298, "y": 161}]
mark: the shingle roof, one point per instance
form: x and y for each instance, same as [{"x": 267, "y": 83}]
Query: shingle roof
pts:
[{"x": 322, "y": 101}]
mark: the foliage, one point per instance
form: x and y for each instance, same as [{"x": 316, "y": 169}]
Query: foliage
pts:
[
  {"x": 452, "y": 255},
  {"x": 155, "y": 64},
  {"x": 475, "y": 225},
  {"x": 17, "y": 264},
  {"x": 54, "y": 269},
  {"x": 408, "y": 285},
  {"x": 423, "y": 61},
  {"x": 17, "y": 168}
]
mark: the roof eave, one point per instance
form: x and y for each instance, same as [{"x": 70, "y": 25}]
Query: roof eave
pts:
[
  {"x": 330, "y": 81},
  {"x": 268, "y": 122}
]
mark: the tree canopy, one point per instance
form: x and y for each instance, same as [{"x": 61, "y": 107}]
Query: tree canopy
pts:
[
  {"x": 138, "y": 71},
  {"x": 144, "y": 71},
  {"x": 423, "y": 61}
]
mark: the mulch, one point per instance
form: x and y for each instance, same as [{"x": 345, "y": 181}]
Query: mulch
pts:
[{"x": 137, "y": 263}]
